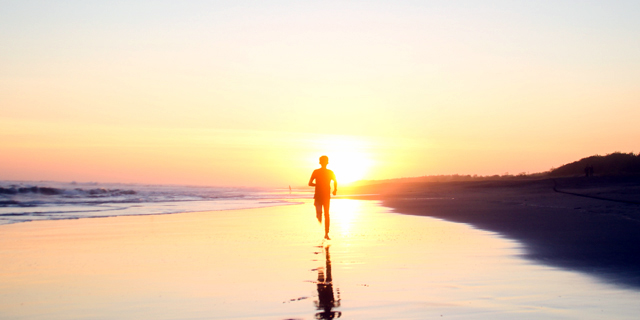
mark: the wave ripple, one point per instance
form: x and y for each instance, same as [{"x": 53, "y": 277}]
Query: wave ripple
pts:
[{"x": 25, "y": 201}]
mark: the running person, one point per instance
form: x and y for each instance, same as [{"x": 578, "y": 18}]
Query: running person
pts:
[{"x": 322, "y": 196}]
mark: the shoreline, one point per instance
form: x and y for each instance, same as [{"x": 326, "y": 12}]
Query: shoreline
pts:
[
  {"x": 270, "y": 263},
  {"x": 262, "y": 203},
  {"x": 587, "y": 225}
]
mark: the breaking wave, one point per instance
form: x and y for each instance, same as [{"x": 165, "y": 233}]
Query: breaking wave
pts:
[{"x": 23, "y": 201}]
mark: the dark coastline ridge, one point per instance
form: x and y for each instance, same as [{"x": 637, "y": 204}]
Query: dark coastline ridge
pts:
[{"x": 590, "y": 225}]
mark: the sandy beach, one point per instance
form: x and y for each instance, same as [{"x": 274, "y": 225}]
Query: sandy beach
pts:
[
  {"x": 585, "y": 224},
  {"x": 271, "y": 263}
]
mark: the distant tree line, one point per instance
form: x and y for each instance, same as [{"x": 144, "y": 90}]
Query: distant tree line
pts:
[
  {"x": 456, "y": 178},
  {"x": 616, "y": 163}
]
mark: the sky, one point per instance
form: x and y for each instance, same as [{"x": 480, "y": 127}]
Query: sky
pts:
[{"x": 251, "y": 93}]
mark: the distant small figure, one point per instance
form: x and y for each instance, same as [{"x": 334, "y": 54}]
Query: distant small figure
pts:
[
  {"x": 289, "y": 189},
  {"x": 322, "y": 196},
  {"x": 586, "y": 171}
]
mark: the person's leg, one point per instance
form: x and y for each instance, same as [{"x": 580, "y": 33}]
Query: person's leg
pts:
[
  {"x": 327, "y": 220},
  {"x": 319, "y": 212}
]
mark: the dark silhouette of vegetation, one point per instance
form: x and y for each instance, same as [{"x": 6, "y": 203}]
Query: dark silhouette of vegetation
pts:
[
  {"x": 454, "y": 178},
  {"x": 616, "y": 163}
]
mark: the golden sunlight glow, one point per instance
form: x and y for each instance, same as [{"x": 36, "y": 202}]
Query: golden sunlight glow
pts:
[
  {"x": 344, "y": 213},
  {"x": 253, "y": 95},
  {"x": 350, "y": 166},
  {"x": 347, "y": 157}
]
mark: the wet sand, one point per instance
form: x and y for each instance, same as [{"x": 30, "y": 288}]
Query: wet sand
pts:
[
  {"x": 591, "y": 225},
  {"x": 271, "y": 263}
]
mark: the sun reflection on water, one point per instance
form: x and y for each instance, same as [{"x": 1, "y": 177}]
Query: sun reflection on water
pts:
[{"x": 345, "y": 213}]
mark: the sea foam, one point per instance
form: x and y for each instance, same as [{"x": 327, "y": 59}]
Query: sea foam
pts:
[{"x": 28, "y": 201}]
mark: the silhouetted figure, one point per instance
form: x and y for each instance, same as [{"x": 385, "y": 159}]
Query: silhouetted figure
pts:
[
  {"x": 586, "y": 171},
  {"x": 326, "y": 300},
  {"x": 322, "y": 196}
]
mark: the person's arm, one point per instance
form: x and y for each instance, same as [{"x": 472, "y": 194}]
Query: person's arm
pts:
[
  {"x": 313, "y": 177},
  {"x": 335, "y": 185}
]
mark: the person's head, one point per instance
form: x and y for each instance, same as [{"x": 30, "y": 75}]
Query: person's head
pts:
[{"x": 324, "y": 160}]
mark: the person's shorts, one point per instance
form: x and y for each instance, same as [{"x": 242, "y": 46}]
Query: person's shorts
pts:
[{"x": 321, "y": 201}]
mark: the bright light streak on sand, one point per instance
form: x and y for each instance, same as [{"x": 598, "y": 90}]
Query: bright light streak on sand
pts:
[{"x": 345, "y": 214}]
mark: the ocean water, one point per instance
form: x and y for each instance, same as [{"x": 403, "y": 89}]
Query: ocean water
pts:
[{"x": 22, "y": 201}]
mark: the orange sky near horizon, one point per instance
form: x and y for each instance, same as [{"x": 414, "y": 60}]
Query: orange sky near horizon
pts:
[{"x": 246, "y": 93}]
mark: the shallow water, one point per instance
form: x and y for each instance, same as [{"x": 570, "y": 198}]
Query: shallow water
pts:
[
  {"x": 271, "y": 263},
  {"x": 22, "y": 201}
]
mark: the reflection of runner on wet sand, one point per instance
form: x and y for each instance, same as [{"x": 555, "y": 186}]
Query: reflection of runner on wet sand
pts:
[
  {"x": 322, "y": 196},
  {"x": 326, "y": 300}
]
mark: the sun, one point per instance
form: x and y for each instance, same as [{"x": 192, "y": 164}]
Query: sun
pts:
[
  {"x": 348, "y": 159},
  {"x": 349, "y": 166}
]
